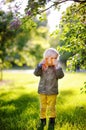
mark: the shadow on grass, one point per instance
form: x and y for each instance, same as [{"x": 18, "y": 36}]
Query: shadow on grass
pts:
[
  {"x": 76, "y": 117},
  {"x": 73, "y": 114},
  {"x": 20, "y": 113}
]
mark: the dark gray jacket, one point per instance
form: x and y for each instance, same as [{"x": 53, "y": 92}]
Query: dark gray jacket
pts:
[{"x": 48, "y": 79}]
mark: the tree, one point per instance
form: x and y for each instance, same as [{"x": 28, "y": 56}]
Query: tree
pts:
[
  {"x": 17, "y": 42},
  {"x": 36, "y": 44},
  {"x": 12, "y": 24},
  {"x": 73, "y": 36},
  {"x": 6, "y": 35},
  {"x": 35, "y": 7},
  {"x": 12, "y": 41}
]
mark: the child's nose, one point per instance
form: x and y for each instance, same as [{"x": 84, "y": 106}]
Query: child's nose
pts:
[{"x": 49, "y": 60}]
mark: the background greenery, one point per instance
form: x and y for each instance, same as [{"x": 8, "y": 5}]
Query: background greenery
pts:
[
  {"x": 19, "y": 102},
  {"x": 23, "y": 38}
]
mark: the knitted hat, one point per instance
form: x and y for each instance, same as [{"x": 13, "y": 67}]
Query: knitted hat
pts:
[{"x": 51, "y": 52}]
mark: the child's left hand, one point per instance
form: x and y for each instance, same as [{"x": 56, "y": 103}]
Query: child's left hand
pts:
[{"x": 55, "y": 63}]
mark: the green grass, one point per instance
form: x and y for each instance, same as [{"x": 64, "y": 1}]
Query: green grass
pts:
[{"x": 19, "y": 102}]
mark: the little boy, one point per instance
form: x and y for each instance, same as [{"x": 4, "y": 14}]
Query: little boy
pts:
[{"x": 49, "y": 72}]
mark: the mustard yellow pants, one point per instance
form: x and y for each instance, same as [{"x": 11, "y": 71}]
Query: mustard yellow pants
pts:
[{"x": 47, "y": 105}]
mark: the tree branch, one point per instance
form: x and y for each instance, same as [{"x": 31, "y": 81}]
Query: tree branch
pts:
[
  {"x": 59, "y": 2},
  {"x": 55, "y": 3},
  {"x": 80, "y": 1}
]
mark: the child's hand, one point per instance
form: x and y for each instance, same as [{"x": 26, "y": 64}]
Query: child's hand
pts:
[
  {"x": 40, "y": 65},
  {"x": 43, "y": 62},
  {"x": 55, "y": 63}
]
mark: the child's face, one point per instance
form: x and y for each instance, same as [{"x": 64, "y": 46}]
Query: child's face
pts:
[{"x": 50, "y": 61}]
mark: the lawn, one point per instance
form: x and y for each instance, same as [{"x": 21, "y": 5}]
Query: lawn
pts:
[{"x": 19, "y": 102}]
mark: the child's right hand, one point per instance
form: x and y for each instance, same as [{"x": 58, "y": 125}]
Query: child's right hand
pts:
[
  {"x": 43, "y": 62},
  {"x": 44, "y": 65}
]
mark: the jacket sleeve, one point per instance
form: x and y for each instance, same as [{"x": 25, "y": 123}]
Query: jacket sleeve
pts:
[
  {"x": 38, "y": 70},
  {"x": 59, "y": 73}
]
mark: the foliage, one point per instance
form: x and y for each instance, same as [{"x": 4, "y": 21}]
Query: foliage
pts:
[
  {"x": 7, "y": 38},
  {"x": 36, "y": 6},
  {"x": 83, "y": 89},
  {"x": 12, "y": 41},
  {"x": 72, "y": 36},
  {"x": 15, "y": 31},
  {"x": 19, "y": 103},
  {"x": 14, "y": 45},
  {"x": 6, "y": 35},
  {"x": 34, "y": 48}
]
